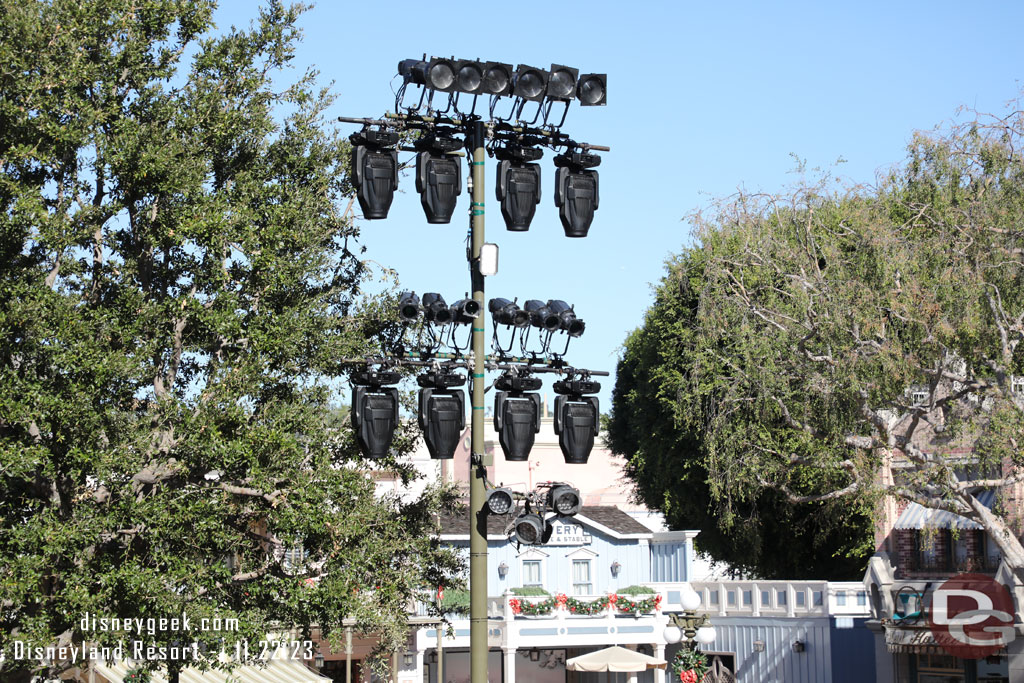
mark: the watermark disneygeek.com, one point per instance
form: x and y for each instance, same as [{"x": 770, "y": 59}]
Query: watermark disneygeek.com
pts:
[{"x": 132, "y": 646}]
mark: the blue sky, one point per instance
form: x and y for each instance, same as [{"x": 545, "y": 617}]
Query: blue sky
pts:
[{"x": 703, "y": 98}]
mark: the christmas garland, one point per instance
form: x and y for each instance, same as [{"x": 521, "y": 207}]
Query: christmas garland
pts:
[
  {"x": 689, "y": 666},
  {"x": 646, "y": 605},
  {"x": 590, "y": 607}
]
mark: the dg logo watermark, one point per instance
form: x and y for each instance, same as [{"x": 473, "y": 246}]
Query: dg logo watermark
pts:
[{"x": 971, "y": 616}]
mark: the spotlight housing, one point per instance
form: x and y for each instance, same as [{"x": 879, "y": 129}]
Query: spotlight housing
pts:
[
  {"x": 577, "y": 193},
  {"x": 413, "y": 70},
  {"x": 518, "y": 185},
  {"x": 577, "y": 418},
  {"x": 498, "y": 78},
  {"x": 499, "y": 501},
  {"x": 592, "y": 90},
  {"x": 564, "y": 500},
  {"x": 567, "y": 320},
  {"x": 441, "y": 73},
  {"x": 374, "y": 411},
  {"x": 517, "y": 410},
  {"x": 531, "y": 529},
  {"x": 530, "y": 83},
  {"x": 442, "y": 412},
  {"x": 408, "y": 306},
  {"x": 438, "y": 177},
  {"x": 562, "y": 82},
  {"x": 469, "y": 77},
  {"x": 375, "y": 171},
  {"x": 541, "y": 316},
  {"x": 465, "y": 311},
  {"x": 435, "y": 310},
  {"x": 508, "y": 313}
]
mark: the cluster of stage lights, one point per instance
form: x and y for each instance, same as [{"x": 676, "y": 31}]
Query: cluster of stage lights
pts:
[
  {"x": 438, "y": 167},
  {"x": 517, "y": 405},
  {"x": 532, "y": 523}
]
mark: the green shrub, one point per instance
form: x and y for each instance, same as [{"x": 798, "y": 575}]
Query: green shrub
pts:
[
  {"x": 529, "y": 591},
  {"x": 455, "y": 602},
  {"x": 636, "y": 590}
]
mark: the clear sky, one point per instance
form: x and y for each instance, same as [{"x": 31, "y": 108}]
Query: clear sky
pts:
[{"x": 703, "y": 98}]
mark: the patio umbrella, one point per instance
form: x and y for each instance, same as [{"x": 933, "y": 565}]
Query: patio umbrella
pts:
[{"x": 615, "y": 658}]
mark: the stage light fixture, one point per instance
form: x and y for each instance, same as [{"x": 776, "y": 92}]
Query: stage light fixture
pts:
[
  {"x": 564, "y": 500},
  {"x": 375, "y": 171},
  {"x": 499, "y": 501},
  {"x": 508, "y": 313},
  {"x": 465, "y": 311},
  {"x": 440, "y": 74},
  {"x": 530, "y": 83},
  {"x": 469, "y": 77},
  {"x": 435, "y": 310},
  {"x": 442, "y": 412},
  {"x": 531, "y": 529},
  {"x": 567, "y": 319},
  {"x": 498, "y": 78},
  {"x": 592, "y": 90},
  {"x": 408, "y": 306},
  {"x": 438, "y": 177},
  {"x": 518, "y": 185},
  {"x": 413, "y": 70},
  {"x": 541, "y": 316},
  {"x": 576, "y": 191},
  {"x": 517, "y": 411},
  {"x": 374, "y": 411},
  {"x": 577, "y": 418},
  {"x": 562, "y": 82}
]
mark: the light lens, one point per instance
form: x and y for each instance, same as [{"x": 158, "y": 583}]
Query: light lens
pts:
[
  {"x": 441, "y": 76},
  {"x": 499, "y": 502},
  {"x": 562, "y": 82},
  {"x": 527, "y": 531},
  {"x": 498, "y": 78},
  {"x": 470, "y": 78},
  {"x": 531, "y": 84},
  {"x": 592, "y": 90}
]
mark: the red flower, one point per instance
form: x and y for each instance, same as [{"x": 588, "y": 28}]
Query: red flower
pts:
[
  {"x": 561, "y": 599},
  {"x": 688, "y": 676},
  {"x": 612, "y": 598},
  {"x": 516, "y": 605}
]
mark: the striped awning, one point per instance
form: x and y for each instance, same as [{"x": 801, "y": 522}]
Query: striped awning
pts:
[{"x": 917, "y": 516}]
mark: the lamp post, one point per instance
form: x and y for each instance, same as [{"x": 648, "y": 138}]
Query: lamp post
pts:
[{"x": 687, "y": 626}]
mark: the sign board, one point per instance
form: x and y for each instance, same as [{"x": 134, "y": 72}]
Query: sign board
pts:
[{"x": 569, "y": 534}]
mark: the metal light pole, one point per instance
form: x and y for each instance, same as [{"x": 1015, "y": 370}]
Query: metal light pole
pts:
[{"x": 478, "y": 466}]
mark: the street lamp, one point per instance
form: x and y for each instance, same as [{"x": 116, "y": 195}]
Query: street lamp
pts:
[{"x": 687, "y": 626}]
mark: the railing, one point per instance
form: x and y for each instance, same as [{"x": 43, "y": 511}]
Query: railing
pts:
[
  {"x": 920, "y": 564},
  {"x": 722, "y": 598}
]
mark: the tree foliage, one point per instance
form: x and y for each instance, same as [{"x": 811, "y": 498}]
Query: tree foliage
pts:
[
  {"x": 178, "y": 281},
  {"x": 836, "y": 346}
]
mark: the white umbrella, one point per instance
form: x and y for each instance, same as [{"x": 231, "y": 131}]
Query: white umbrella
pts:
[{"x": 615, "y": 658}]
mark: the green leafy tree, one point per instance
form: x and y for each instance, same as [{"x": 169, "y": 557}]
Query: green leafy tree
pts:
[
  {"x": 764, "y": 535},
  {"x": 178, "y": 284},
  {"x": 843, "y": 347}
]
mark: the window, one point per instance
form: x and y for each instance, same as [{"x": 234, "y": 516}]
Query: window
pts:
[
  {"x": 714, "y": 596},
  {"x": 1017, "y": 385},
  {"x": 731, "y": 598},
  {"x": 862, "y": 598},
  {"x": 841, "y": 598},
  {"x": 801, "y": 598},
  {"x": 581, "y": 584},
  {"x": 294, "y": 558},
  {"x": 766, "y": 598},
  {"x": 531, "y": 573},
  {"x": 748, "y": 598},
  {"x": 919, "y": 395},
  {"x": 816, "y": 596},
  {"x": 780, "y": 597}
]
